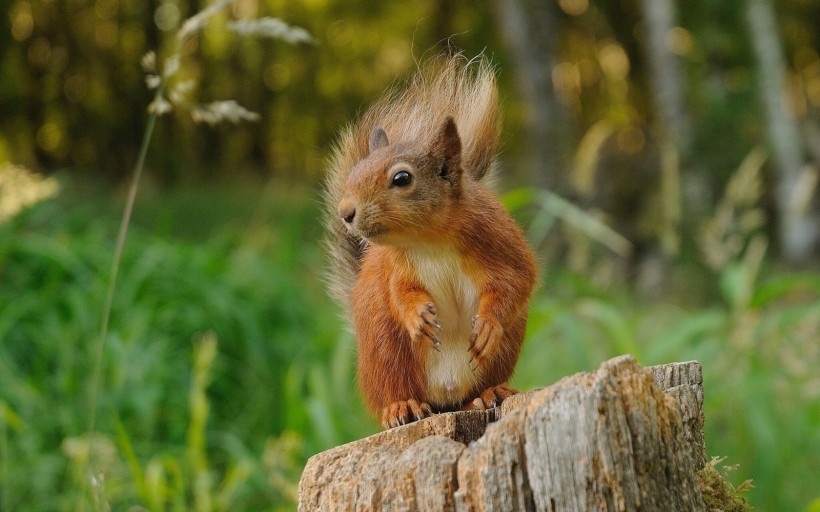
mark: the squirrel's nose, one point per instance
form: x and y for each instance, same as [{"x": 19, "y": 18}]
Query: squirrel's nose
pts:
[{"x": 347, "y": 211}]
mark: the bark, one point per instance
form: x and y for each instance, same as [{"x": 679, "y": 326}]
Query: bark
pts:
[
  {"x": 528, "y": 29},
  {"x": 799, "y": 229},
  {"x": 621, "y": 438}
]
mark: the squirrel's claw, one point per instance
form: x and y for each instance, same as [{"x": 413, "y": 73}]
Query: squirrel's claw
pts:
[
  {"x": 484, "y": 340},
  {"x": 404, "y": 412},
  {"x": 425, "y": 411},
  {"x": 429, "y": 325},
  {"x": 491, "y": 397}
]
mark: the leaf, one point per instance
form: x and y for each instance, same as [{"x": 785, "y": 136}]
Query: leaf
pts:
[
  {"x": 814, "y": 506},
  {"x": 690, "y": 330},
  {"x": 786, "y": 285},
  {"x": 584, "y": 222},
  {"x": 10, "y": 418},
  {"x": 518, "y": 198},
  {"x": 587, "y": 156},
  {"x": 732, "y": 283},
  {"x": 615, "y": 324},
  {"x": 127, "y": 451}
]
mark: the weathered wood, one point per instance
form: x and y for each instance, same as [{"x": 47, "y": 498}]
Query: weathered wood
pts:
[
  {"x": 684, "y": 382},
  {"x": 606, "y": 440},
  {"x": 354, "y": 476},
  {"x": 492, "y": 472}
]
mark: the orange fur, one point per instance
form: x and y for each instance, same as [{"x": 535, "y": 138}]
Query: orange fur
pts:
[{"x": 435, "y": 272}]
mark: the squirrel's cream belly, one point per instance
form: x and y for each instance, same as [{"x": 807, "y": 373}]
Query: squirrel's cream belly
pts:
[{"x": 449, "y": 377}]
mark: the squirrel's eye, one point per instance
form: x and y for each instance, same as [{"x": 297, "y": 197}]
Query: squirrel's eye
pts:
[{"x": 402, "y": 179}]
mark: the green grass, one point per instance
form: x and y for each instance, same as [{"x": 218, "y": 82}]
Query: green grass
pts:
[
  {"x": 254, "y": 281},
  {"x": 226, "y": 365},
  {"x": 760, "y": 368}
]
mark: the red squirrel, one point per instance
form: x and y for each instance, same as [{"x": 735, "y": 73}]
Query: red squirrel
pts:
[{"x": 432, "y": 268}]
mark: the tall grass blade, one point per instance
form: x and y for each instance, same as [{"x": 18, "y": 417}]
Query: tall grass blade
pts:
[
  {"x": 97, "y": 368},
  {"x": 555, "y": 205}
]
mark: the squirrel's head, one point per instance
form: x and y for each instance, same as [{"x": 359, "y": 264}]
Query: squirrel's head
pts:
[{"x": 404, "y": 192}]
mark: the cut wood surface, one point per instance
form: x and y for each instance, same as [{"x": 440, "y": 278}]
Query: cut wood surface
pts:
[{"x": 623, "y": 437}]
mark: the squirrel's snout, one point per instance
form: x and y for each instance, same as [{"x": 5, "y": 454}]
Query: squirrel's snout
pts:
[{"x": 347, "y": 211}]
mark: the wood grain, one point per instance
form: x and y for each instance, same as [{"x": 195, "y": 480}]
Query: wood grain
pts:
[{"x": 623, "y": 437}]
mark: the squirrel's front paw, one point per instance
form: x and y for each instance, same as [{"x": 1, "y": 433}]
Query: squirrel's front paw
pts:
[
  {"x": 487, "y": 333},
  {"x": 404, "y": 412},
  {"x": 425, "y": 324}
]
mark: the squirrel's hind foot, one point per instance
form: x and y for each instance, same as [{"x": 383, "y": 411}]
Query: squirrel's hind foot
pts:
[
  {"x": 404, "y": 412},
  {"x": 491, "y": 397}
]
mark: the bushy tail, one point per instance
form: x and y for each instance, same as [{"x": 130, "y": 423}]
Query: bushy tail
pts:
[{"x": 451, "y": 86}]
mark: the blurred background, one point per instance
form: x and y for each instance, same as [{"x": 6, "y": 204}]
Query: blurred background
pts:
[{"x": 661, "y": 156}]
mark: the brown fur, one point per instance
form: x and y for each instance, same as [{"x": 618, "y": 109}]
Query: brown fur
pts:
[
  {"x": 442, "y": 225},
  {"x": 443, "y": 87}
]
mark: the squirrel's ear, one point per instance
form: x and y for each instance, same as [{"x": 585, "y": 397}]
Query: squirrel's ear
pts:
[
  {"x": 378, "y": 139},
  {"x": 448, "y": 141},
  {"x": 448, "y": 145}
]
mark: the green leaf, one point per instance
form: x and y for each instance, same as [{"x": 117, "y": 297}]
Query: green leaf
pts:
[
  {"x": 518, "y": 198},
  {"x": 690, "y": 330},
  {"x": 781, "y": 286},
  {"x": 615, "y": 323},
  {"x": 733, "y": 283}
]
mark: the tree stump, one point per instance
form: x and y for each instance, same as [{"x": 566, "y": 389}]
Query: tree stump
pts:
[{"x": 623, "y": 437}]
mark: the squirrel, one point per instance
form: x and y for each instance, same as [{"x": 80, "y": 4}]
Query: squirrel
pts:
[{"x": 432, "y": 269}]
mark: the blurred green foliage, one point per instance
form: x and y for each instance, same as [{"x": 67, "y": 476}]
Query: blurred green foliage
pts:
[
  {"x": 226, "y": 365},
  {"x": 244, "y": 285},
  {"x": 73, "y": 92},
  {"x": 254, "y": 287},
  {"x": 74, "y": 96}
]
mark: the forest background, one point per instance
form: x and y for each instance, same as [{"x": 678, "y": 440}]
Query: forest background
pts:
[{"x": 662, "y": 157}]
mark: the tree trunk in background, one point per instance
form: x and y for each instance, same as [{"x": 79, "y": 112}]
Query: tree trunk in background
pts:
[
  {"x": 528, "y": 28},
  {"x": 672, "y": 129},
  {"x": 665, "y": 73},
  {"x": 671, "y": 122},
  {"x": 798, "y": 229}
]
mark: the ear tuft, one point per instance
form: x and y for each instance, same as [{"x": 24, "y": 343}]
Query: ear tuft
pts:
[{"x": 378, "y": 139}]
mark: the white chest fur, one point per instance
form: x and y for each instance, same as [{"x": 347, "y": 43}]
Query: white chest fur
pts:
[{"x": 455, "y": 295}]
